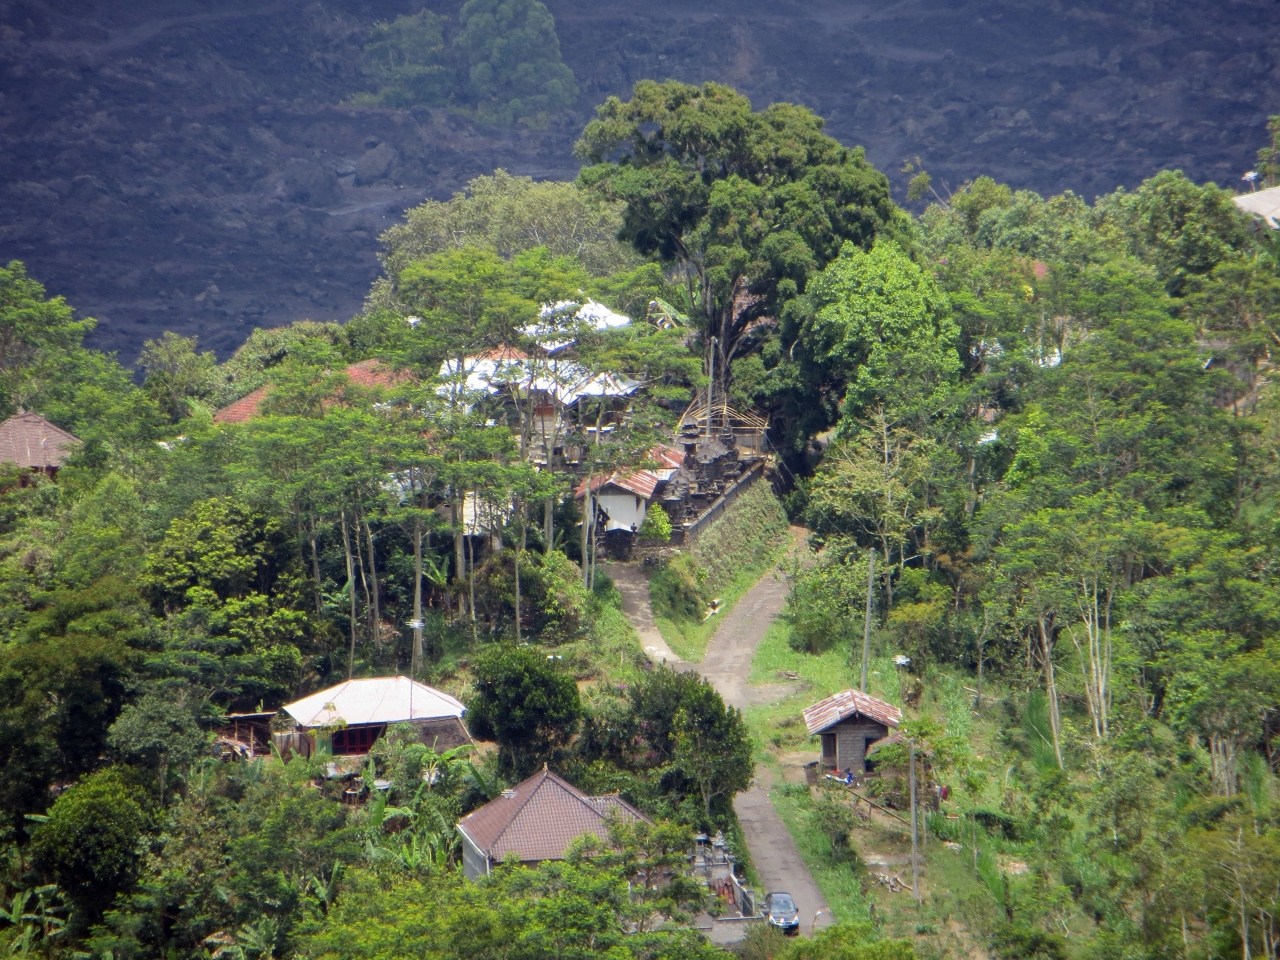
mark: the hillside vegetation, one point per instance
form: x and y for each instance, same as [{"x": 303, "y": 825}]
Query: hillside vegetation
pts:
[{"x": 1051, "y": 424}]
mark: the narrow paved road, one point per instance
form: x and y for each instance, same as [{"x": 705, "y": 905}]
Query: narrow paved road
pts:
[{"x": 727, "y": 666}]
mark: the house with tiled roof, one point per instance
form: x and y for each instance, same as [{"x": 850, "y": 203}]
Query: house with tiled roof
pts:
[
  {"x": 366, "y": 373},
  {"x": 30, "y": 442},
  {"x": 849, "y": 723},
  {"x": 535, "y": 821}
]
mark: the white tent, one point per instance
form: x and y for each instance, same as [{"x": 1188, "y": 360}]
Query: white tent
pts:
[{"x": 375, "y": 700}]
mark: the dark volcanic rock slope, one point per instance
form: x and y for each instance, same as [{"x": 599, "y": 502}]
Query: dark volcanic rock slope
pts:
[{"x": 173, "y": 166}]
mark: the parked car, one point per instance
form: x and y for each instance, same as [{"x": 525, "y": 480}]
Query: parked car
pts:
[{"x": 780, "y": 910}]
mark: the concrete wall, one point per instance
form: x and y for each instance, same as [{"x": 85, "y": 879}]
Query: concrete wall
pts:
[
  {"x": 623, "y": 508},
  {"x": 474, "y": 863},
  {"x": 851, "y": 738}
]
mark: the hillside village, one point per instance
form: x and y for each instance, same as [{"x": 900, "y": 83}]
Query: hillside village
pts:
[{"x": 736, "y": 564}]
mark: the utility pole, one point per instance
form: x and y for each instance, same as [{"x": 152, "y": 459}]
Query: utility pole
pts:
[
  {"x": 915, "y": 849},
  {"x": 866, "y": 622}
]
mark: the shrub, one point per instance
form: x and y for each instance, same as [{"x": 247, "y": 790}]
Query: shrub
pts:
[
  {"x": 524, "y": 704},
  {"x": 657, "y": 525},
  {"x": 89, "y": 843},
  {"x": 824, "y": 604},
  {"x": 676, "y": 590}
]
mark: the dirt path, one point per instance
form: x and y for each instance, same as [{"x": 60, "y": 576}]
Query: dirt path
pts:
[
  {"x": 727, "y": 665},
  {"x": 634, "y": 587}
]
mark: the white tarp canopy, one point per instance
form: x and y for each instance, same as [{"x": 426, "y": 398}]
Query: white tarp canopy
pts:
[
  {"x": 557, "y": 327},
  {"x": 375, "y": 700},
  {"x": 1262, "y": 203},
  {"x": 563, "y": 380}
]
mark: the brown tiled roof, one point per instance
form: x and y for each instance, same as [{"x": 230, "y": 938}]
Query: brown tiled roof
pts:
[
  {"x": 29, "y": 440},
  {"x": 246, "y": 408},
  {"x": 366, "y": 373},
  {"x": 827, "y": 713},
  {"x": 538, "y": 819},
  {"x": 375, "y": 373}
]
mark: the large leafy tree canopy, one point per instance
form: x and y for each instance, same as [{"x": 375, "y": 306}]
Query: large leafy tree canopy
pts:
[{"x": 745, "y": 205}]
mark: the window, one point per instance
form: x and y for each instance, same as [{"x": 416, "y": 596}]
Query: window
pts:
[{"x": 356, "y": 740}]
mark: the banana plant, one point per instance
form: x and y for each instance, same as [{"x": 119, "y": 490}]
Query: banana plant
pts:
[
  {"x": 38, "y": 922},
  {"x": 325, "y": 892}
]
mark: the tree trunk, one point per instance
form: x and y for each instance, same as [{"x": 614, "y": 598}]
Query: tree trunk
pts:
[
  {"x": 866, "y": 622},
  {"x": 351, "y": 589},
  {"x": 549, "y": 524},
  {"x": 982, "y": 648},
  {"x": 416, "y": 657},
  {"x": 471, "y": 584},
  {"x": 1051, "y": 688},
  {"x": 456, "y": 517},
  {"x": 315, "y": 567},
  {"x": 587, "y": 512},
  {"x": 373, "y": 591},
  {"x": 1244, "y": 927},
  {"x": 915, "y": 844},
  {"x": 519, "y": 547},
  {"x": 357, "y": 540}
]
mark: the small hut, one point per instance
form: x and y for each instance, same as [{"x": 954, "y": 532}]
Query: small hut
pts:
[
  {"x": 849, "y": 722},
  {"x": 32, "y": 443}
]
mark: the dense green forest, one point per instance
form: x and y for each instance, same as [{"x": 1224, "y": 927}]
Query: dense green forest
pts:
[{"x": 1051, "y": 424}]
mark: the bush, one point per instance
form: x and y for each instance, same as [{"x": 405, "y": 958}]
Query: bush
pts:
[
  {"x": 1015, "y": 942},
  {"x": 676, "y": 590},
  {"x": 89, "y": 845},
  {"x": 554, "y": 604},
  {"x": 408, "y": 57},
  {"x": 657, "y": 525},
  {"x": 524, "y": 704},
  {"x": 834, "y": 818},
  {"x": 824, "y": 604},
  {"x": 513, "y": 60}
]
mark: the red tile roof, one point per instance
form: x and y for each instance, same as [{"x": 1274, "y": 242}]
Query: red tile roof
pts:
[
  {"x": 31, "y": 441},
  {"x": 538, "y": 819},
  {"x": 366, "y": 373},
  {"x": 640, "y": 482},
  {"x": 375, "y": 373},
  {"x": 503, "y": 354},
  {"x": 841, "y": 706},
  {"x": 246, "y": 408}
]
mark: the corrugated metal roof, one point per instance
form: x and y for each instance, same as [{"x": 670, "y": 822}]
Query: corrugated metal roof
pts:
[
  {"x": 31, "y": 441},
  {"x": 374, "y": 700},
  {"x": 538, "y": 819},
  {"x": 640, "y": 482},
  {"x": 841, "y": 706},
  {"x": 1262, "y": 203}
]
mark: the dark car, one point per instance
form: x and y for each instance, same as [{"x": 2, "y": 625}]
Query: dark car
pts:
[{"x": 780, "y": 910}]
